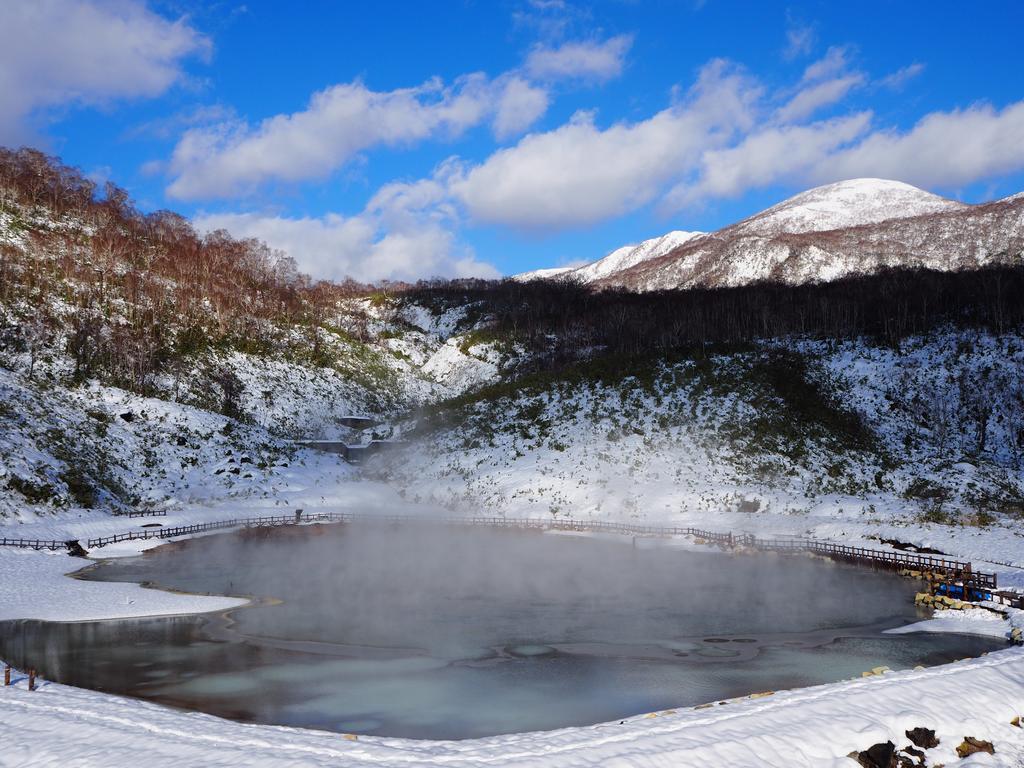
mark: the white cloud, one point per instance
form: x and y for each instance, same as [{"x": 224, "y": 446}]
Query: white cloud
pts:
[
  {"x": 232, "y": 158},
  {"x": 800, "y": 39},
  {"x": 592, "y": 60},
  {"x": 832, "y": 63},
  {"x": 169, "y": 127},
  {"x": 339, "y": 122},
  {"x": 809, "y": 100},
  {"x": 944, "y": 149},
  {"x": 723, "y": 137},
  {"x": 901, "y": 77},
  {"x": 722, "y": 140},
  {"x": 60, "y": 52},
  {"x": 782, "y": 153},
  {"x": 519, "y": 106},
  {"x": 406, "y": 232},
  {"x": 580, "y": 173}
]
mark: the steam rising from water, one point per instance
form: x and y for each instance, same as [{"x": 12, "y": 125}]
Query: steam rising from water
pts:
[
  {"x": 452, "y": 632},
  {"x": 452, "y": 591}
]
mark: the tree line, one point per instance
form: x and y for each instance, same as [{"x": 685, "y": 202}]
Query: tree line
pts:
[
  {"x": 130, "y": 294},
  {"x": 562, "y": 321}
]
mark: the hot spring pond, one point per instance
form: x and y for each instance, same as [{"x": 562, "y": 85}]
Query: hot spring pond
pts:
[{"x": 449, "y": 632}]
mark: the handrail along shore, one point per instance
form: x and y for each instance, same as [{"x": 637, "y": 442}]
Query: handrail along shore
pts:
[{"x": 947, "y": 569}]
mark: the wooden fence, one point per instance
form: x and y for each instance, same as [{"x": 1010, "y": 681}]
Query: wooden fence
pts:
[
  {"x": 36, "y": 544},
  {"x": 973, "y": 583}
]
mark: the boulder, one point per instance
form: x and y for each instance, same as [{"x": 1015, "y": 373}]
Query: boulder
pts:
[
  {"x": 915, "y": 752},
  {"x": 878, "y": 756},
  {"x": 923, "y": 738},
  {"x": 971, "y": 745}
]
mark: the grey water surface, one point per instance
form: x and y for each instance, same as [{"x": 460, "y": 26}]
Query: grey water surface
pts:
[{"x": 430, "y": 631}]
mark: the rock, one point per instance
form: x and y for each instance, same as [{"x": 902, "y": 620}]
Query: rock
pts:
[
  {"x": 75, "y": 548},
  {"x": 923, "y": 738},
  {"x": 915, "y": 752},
  {"x": 971, "y": 746},
  {"x": 181, "y": 440},
  {"x": 1016, "y": 721},
  {"x": 878, "y": 756},
  {"x": 128, "y": 416},
  {"x": 875, "y": 671}
]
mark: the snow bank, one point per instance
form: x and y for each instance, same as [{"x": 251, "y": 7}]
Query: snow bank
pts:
[
  {"x": 58, "y": 725},
  {"x": 975, "y": 621},
  {"x": 35, "y": 586}
]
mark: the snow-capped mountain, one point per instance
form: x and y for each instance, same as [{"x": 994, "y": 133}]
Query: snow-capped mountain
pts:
[
  {"x": 549, "y": 273},
  {"x": 845, "y": 204},
  {"x": 631, "y": 255},
  {"x": 618, "y": 260},
  {"x": 850, "y": 227}
]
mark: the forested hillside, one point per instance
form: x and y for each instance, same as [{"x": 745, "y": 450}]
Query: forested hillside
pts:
[{"x": 143, "y": 363}]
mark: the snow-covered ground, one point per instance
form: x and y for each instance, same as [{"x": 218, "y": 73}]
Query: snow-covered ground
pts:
[
  {"x": 35, "y": 587},
  {"x": 620, "y": 259},
  {"x": 710, "y": 444}
]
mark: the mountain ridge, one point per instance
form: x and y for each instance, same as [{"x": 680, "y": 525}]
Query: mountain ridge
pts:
[{"x": 856, "y": 226}]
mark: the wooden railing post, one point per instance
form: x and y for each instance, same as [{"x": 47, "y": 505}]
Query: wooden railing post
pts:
[{"x": 31, "y": 678}]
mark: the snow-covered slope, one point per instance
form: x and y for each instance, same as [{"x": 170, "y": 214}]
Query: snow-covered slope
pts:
[
  {"x": 550, "y": 273},
  {"x": 851, "y": 203},
  {"x": 621, "y": 258},
  {"x": 856, "y": 226},
  {"x": 631, "y": 255},
  {"x": 828, "y": 438}
]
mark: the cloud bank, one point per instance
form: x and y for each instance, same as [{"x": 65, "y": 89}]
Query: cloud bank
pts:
[
  {"x": 726, "y": 134},
  {"x": 233, "y": 158},
  {"x": 56, "y": 53},
  {"x": 406, "y": 232}
]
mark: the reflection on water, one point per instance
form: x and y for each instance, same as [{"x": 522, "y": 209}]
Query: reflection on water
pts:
[{"x": 432, "y": 632}]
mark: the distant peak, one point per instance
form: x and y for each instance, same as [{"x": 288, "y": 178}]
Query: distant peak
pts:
[{"x": 848, "y": 203}]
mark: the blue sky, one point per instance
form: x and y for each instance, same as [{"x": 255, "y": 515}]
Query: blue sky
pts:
[{"x": 402, "y": 140}]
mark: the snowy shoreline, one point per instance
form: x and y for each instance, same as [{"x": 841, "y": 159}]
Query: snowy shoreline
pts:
[{"x": 818, "y": 726}]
